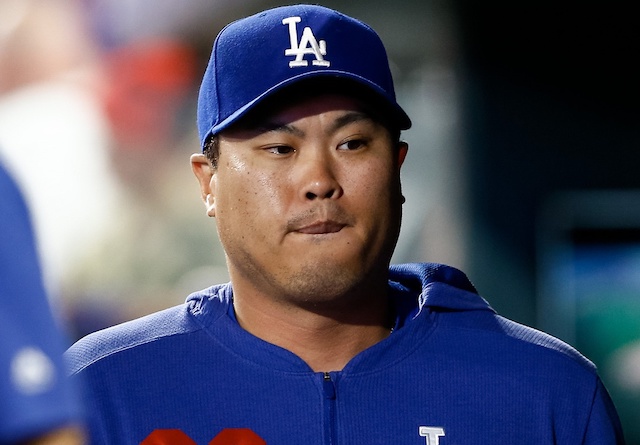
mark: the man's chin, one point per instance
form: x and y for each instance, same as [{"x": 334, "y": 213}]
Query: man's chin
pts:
[{"x": 325, "y": 287}]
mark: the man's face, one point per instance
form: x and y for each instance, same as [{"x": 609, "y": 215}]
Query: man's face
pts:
[{"x": 307, "y": 201}]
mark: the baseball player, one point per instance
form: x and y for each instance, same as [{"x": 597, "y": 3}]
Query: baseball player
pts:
[
  {"x": 37, "y": 403},
  {"x": 317, "y": 339}
]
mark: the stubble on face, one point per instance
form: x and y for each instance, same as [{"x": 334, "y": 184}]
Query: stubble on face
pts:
[
  {"x": 270, "y": 250},
  {"x": 321, "y": 281}
]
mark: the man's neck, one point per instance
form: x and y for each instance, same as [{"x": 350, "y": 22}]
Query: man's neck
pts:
[{"x": 323, "y": 341}]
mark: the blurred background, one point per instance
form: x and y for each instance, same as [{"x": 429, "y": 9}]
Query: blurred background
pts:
[{"x": 522, "y": 171}]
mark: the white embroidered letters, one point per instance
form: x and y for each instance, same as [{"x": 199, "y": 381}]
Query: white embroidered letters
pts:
[
  {"x": 308, "y": 44},
  {"x": 431, "y": 434}
]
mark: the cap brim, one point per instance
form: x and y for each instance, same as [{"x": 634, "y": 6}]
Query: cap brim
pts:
[{"x": 397, "y": 114}]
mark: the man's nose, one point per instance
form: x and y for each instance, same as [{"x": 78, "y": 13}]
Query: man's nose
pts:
[{"x": 318, "y": 176}]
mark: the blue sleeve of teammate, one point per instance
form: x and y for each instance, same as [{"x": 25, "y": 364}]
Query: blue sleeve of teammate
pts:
[{"x": 35, "y": 395}]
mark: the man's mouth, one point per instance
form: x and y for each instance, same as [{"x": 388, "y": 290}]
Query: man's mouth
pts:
[{"x": 321, "y": 227}]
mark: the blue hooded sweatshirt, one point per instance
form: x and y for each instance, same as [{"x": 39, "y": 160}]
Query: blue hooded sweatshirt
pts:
[{"x": 453, "y": 372}]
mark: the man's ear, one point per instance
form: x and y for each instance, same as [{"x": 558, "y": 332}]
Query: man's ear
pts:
[
  {"x": 403, "y": 148},
  {"x": 205, "y": 174}
]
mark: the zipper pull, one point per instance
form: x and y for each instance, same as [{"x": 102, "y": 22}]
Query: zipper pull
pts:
[{"x": 328, "y": 386}]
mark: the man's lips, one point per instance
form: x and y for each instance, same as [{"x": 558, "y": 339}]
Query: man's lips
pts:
[
  {"x": 320, "y": 228},
  {"x": 322, "y": 220}
]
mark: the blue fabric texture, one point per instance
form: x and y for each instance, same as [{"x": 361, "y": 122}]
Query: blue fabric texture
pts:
[
  {"x": 452, "y": 372},
  {"x": 35, "y": 395}
]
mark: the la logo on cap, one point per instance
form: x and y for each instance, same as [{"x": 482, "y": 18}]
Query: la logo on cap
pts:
[{"x": 308, "y": 44}]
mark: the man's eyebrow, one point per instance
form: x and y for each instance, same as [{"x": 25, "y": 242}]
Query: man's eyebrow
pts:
[
  {"x": 349, "y": 118},
  {"x": 342, "y": 121},
  {"x": 265, "y": 127}
]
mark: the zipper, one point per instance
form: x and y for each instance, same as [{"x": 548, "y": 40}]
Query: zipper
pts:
[{"x": 329, "y": 391}]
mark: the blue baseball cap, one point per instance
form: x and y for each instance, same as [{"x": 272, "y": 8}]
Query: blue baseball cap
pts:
[{"x": 256, "y": 56}]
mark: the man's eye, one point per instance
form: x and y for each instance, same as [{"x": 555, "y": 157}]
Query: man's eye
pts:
[
  {"x": 353, "y": 144},
  {"x": 281, "y": 150}
]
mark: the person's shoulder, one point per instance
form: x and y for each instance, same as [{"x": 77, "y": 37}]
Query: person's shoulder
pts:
[
  {"x": 448, "y": 294},
  {"x": 498, "y": 336},
  {"x": 542, "y": 343},
  {"x": 130, "y": 334},
  {"x": 168, "y": 323}
]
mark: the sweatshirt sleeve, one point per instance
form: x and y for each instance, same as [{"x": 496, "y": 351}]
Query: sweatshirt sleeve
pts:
[{"x": 604, "y": 425}]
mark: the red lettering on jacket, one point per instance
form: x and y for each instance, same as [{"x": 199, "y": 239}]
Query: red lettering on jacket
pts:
[
  {"x": 228, "y": 436},
  {"x": 237, "y": 436},
  {"x": 167, "y": 437}
]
